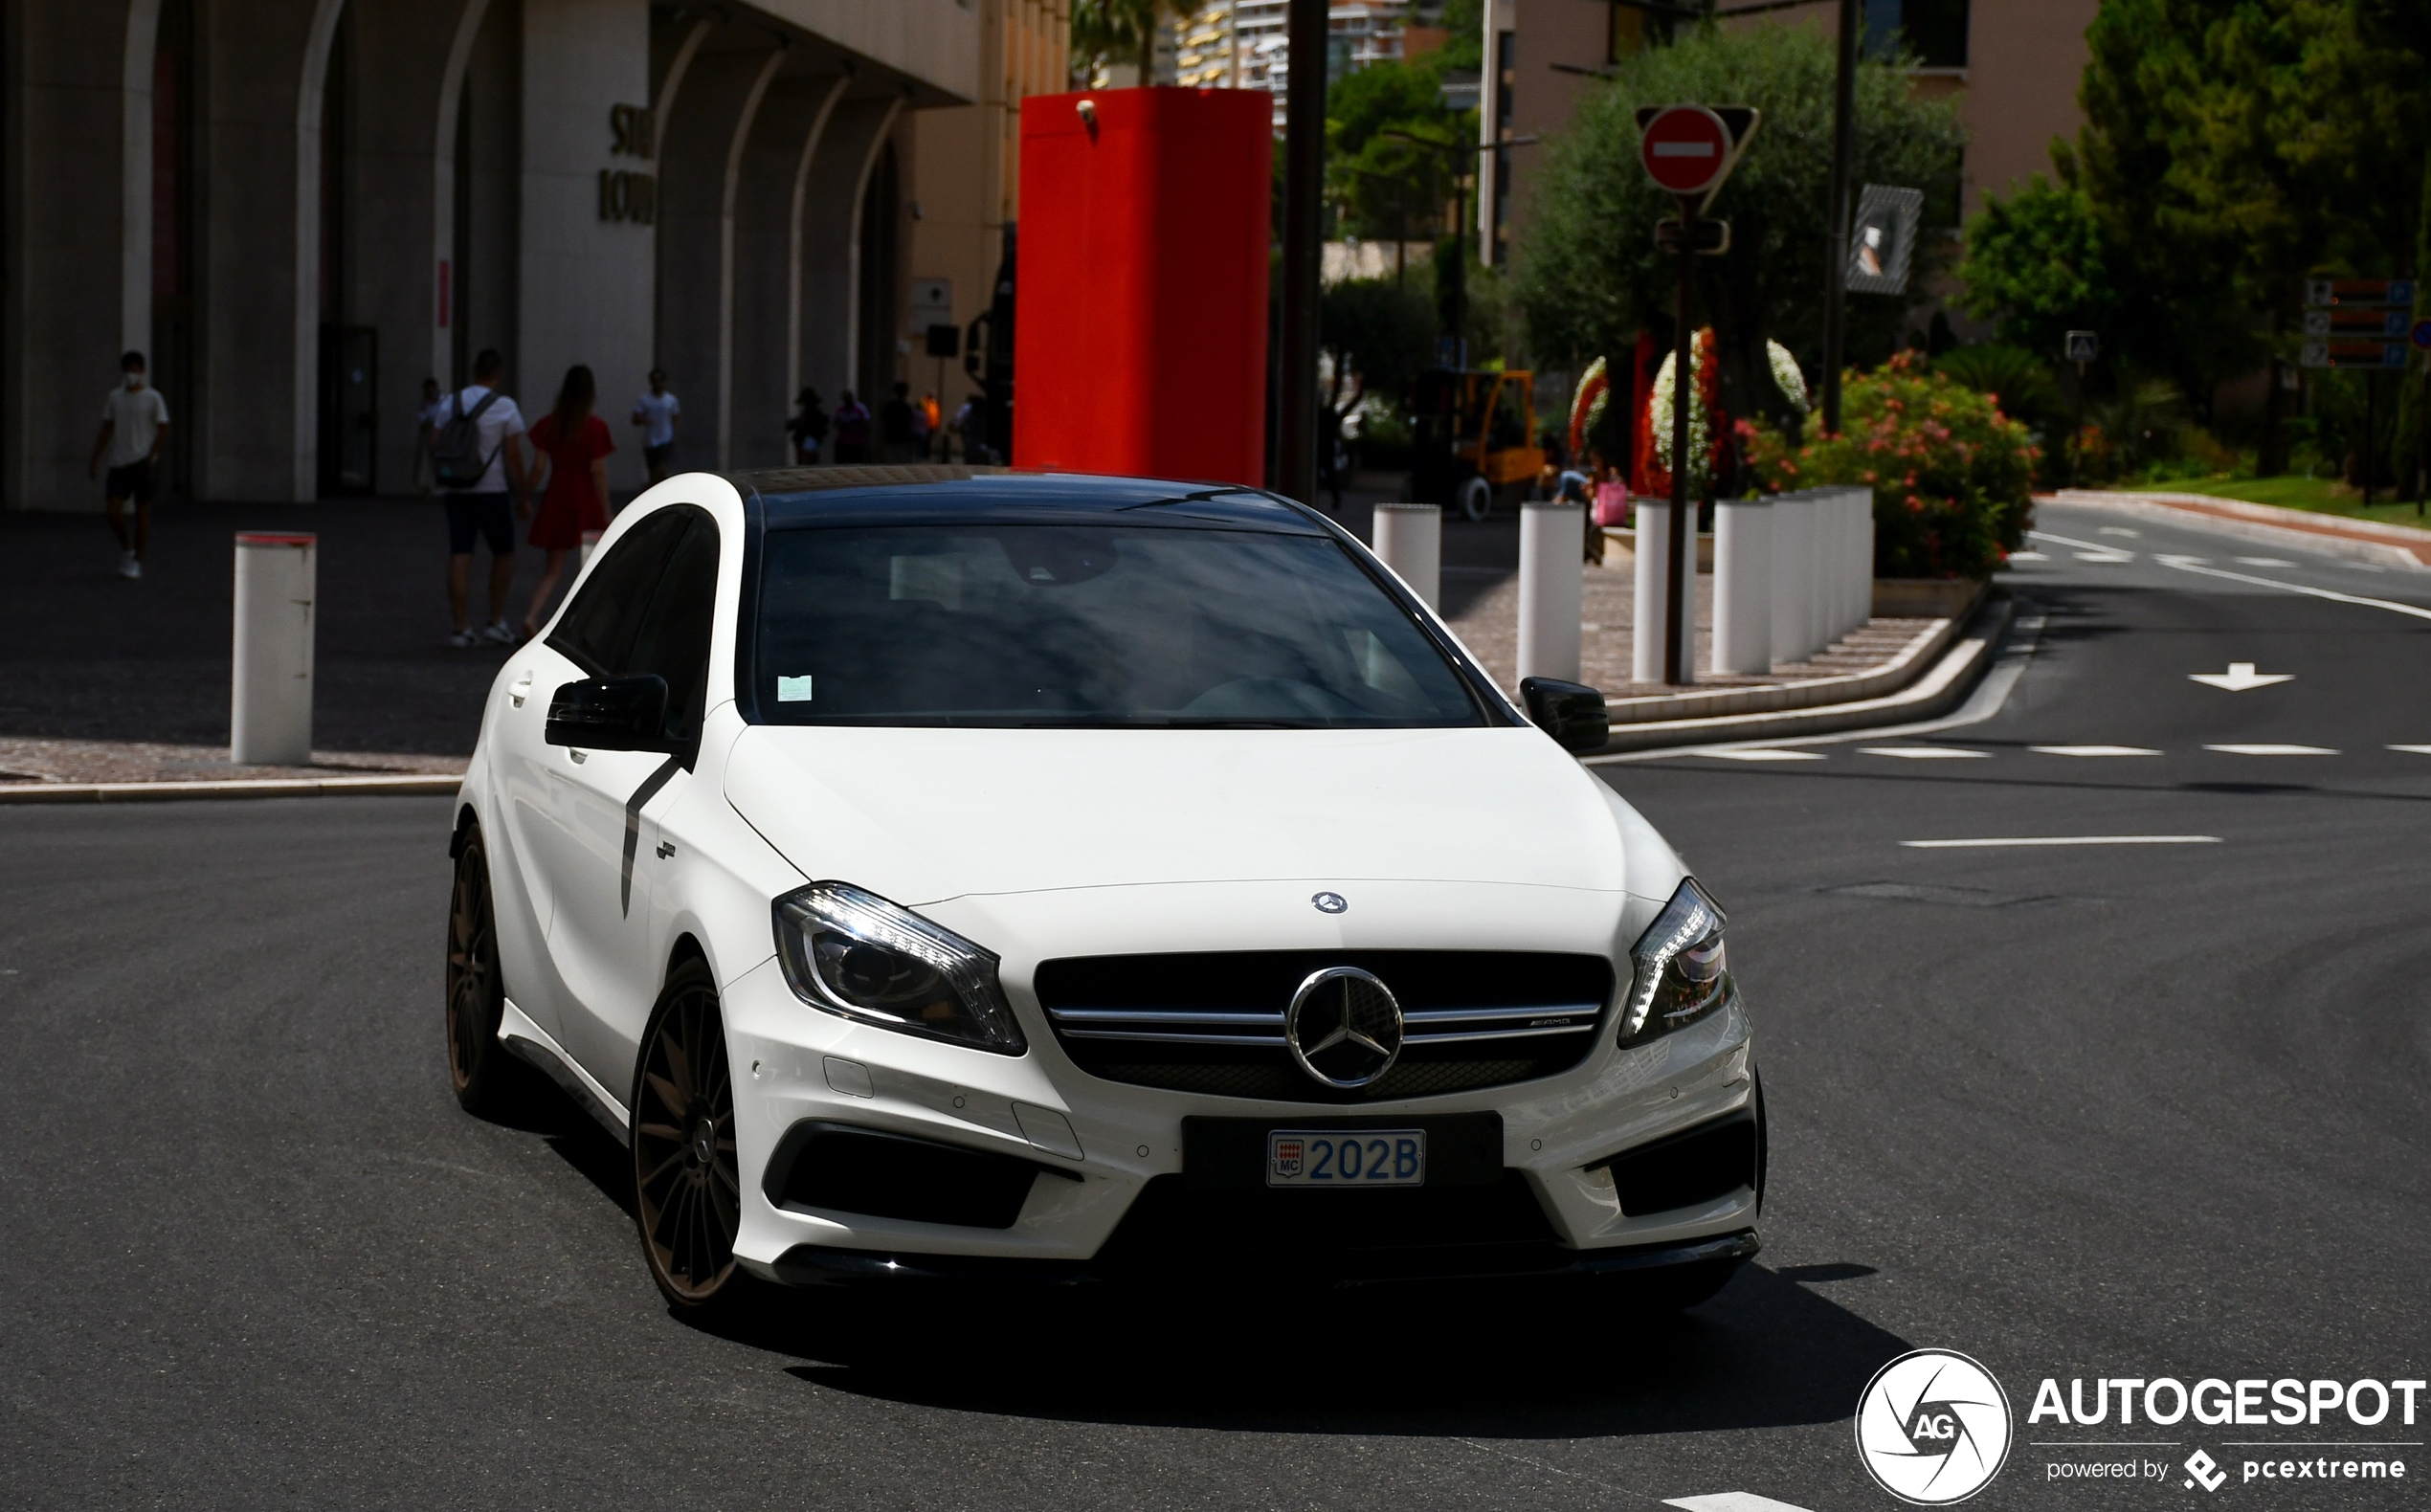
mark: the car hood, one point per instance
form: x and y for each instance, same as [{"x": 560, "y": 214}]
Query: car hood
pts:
[{"x": 921, "y": 815}]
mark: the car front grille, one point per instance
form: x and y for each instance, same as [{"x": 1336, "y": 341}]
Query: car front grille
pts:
[{"x": 1213, "y": 1022}]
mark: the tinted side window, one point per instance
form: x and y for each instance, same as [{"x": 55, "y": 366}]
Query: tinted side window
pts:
[
  {"x": 673, "y": 639},
  {"x": 598, "y": 632}
]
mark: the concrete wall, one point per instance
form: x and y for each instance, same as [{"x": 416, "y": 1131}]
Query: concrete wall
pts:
[{"x": 63, "y": 176}]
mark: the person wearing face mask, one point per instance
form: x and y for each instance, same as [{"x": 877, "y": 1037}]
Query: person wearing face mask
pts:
[{"x": 134, "y": 423}]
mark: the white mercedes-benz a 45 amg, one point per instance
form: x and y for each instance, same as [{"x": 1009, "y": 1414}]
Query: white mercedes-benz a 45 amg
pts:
[{"x": 930, "y": 872}]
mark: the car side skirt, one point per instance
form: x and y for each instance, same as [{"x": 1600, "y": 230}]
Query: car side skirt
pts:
[{"x": 519, "y": 1034}]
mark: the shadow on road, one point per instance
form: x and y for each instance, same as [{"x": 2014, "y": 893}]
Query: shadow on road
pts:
[{"x": 1484, "y": 1361}]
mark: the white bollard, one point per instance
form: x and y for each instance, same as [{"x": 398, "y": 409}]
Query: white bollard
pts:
[
  {"x": 1855, "y": 504},
  {"x": 1409, "y": 541},
  {"x": 1834, "y": 561},
  {"x": 270, "y": 694},
  {"x": 1793, "y": 574},
  {"x": 591, "y": 544},
  {"x": 1552, "y": 549},
  {"x": 1866, "y": 556},
  {"x": 1742, "y": 586},
  {"x": 1653, "y": 585}
]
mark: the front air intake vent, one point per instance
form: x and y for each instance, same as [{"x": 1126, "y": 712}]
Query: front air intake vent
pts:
[
  {"x": 1213, "y": 1022},
  {"x": 835, "y": 1168}
]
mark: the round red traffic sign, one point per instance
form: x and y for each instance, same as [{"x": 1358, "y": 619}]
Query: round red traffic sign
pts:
[{"x": 1685, "y": 148}]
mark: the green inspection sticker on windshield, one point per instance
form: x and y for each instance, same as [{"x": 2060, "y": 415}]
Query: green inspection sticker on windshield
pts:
[{"x": 793, "y": 690}]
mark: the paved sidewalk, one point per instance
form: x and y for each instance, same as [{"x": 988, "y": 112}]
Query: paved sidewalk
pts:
[
  {"x": 86, "y": 655},
  {"x": 57, "y": 761}
]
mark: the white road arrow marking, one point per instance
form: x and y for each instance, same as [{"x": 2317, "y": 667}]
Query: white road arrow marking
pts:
[
  {"x": 1731, "y": 1501},
  {"x": 2240, "y": 676}
]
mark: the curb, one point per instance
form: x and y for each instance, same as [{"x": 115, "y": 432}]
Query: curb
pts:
[
  {"x": 2268, "y": 524},
  {"x": 1847, "y": 687},
  {"x": 1934, "y": 694},
  {"x": 416, "y": 786}
]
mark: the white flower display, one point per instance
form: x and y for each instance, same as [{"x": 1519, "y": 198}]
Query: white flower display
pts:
[
  {"x": 1785, "y": 372},
  {"x": 1700, "y": 423}
]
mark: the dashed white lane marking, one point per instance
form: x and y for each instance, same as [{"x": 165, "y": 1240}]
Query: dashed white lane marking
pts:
[
  {"x": 1921, "y": 752},
  {"x": 1763, "y": 755},
  {"x": 1731, "y": 1501},
  {"x": 2118, "y": 530},
  {"x": 2269, "y": 749},
  {"x": 2264, "y": 562},
  {"x": 2418, "y": 750},
  {"x": 2028, "y": 556},
  {"x": 2094, "y": 750},
  {"x": 2195, "y": 565},
  {"x": 2063, "y": 839},
  {"x": 2087, "y": 550}
]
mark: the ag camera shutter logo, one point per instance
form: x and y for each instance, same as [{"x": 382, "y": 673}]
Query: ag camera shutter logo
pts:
[{"x": 1932, "y": 1427}]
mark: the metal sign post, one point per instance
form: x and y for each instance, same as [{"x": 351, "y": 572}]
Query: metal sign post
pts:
[
  {"x": 2083, "y": 347},
  {"x": 1689, "y": 151},
  {"x": 2358, "y": 322}
]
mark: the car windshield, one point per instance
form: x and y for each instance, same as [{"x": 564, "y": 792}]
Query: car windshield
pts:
[{"x": 1018, "y": 625}]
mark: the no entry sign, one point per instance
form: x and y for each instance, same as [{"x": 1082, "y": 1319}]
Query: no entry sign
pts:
[{"x": 1685, "y": 149}]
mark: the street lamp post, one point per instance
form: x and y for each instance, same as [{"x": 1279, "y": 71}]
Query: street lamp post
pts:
[
  {"x": 1836, "y": 239},
  {"x": 1303, "y": 260}
]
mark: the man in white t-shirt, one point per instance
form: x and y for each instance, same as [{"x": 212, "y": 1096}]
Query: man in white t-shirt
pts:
[
  {"x": 484, "y": 509},
  {"x": 134, "y": 423},
  {"x": 656, "y": 413}
]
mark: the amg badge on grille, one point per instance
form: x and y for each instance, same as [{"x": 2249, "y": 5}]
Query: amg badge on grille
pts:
[{"x": 1344, "y": 1027}]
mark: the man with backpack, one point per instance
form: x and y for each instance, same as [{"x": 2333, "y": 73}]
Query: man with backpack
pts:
[{"x": 475, "y": 458}]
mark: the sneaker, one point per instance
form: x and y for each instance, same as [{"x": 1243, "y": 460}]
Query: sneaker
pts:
[
  {"x": 464, "y": 640},
  {"x": 128, "y": 566},
  {"x": 498, "y": 634}
]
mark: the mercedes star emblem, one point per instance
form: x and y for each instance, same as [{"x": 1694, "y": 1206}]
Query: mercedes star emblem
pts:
[
  {"x": 1330, "y": 902},
  {"x": 1344, "y": 1027}
]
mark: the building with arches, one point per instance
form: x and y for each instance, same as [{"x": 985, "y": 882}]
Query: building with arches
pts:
[{"x": 303, "y": 209}]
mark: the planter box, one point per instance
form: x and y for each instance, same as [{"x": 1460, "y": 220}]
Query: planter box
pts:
[
  {"x": 1627, "y": 541},
  {"x": 1925, "y": 597}
]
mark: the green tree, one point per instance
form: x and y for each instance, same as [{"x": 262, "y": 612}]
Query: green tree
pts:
[
  {"x": 1108, "y": 32},
  {"x": 2232, "y": 147},
  {"x": 1379, "y": 336},
  {"x": 1389, "y": 141},
  {"x": 1588, "y": 274},
  {"x": 2037, "y": 265}
]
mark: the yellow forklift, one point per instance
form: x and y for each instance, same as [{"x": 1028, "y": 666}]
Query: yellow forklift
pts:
[{"x": 1473, "y": 435}]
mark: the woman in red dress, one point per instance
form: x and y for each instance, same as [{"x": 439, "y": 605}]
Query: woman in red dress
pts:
[{"x": 572, "y": 444}]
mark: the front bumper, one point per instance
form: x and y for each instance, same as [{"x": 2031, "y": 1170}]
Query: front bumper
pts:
[{"x": 1120, "y": 1144}]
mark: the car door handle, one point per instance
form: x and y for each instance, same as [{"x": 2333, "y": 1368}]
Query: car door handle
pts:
[
  {"x": 665, "y": 850},
  {"x": 519, "y": 689}
]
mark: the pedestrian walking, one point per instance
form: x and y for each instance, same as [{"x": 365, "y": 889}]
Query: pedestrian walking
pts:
[
  {"x": 427, "y": 421},
  {"x": 971, "y": 421},
  {"x": 134, "y": 424},
  {"x": 808, "y": 428},
  {"x": 925, "y": 421},
  {"x": 570, "y": 454},
  {"x": 476, "y": 459},
  {"x": 658, "y": 413},
  {"x": 897, "y": 442},
  {"x": 852, "y": 428}
]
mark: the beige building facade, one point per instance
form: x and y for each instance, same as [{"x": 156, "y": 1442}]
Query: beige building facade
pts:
[{"x": 301, "y": 209}]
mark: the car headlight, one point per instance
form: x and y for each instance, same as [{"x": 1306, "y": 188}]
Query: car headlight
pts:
[
  {"x": 1679, "y": 971},
  {"x": 856, "y": 955}
]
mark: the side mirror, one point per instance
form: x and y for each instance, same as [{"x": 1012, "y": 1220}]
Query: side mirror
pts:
[
  {"x": 610, "y": 713},
  {"x": 1572, "y": 713}
]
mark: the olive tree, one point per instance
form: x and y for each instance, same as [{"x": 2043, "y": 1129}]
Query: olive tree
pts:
[{"x": 1588, "y": 278}]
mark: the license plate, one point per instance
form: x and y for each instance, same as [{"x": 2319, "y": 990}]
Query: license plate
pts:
[{"x": 1336, "y": 1159}]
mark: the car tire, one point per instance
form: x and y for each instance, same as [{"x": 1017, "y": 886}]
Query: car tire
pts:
[
  {"x": 1477, "y": 499},
  {"x": 687, "y": 1193},
  {"x": 488, "y": 1079}
]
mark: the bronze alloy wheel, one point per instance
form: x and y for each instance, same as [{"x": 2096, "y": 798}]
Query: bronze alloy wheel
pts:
[
  {"x": 482, "y": 1071},
  {"x": 688, "y": 1198}
]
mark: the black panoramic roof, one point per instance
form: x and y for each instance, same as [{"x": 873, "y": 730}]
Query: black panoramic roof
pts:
[{"x": 942, "y": 494}]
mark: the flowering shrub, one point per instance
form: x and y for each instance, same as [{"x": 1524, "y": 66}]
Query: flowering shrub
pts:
[
  {"x": 1951, "y": 474},
  {"x": 1653, "y": 422}
]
